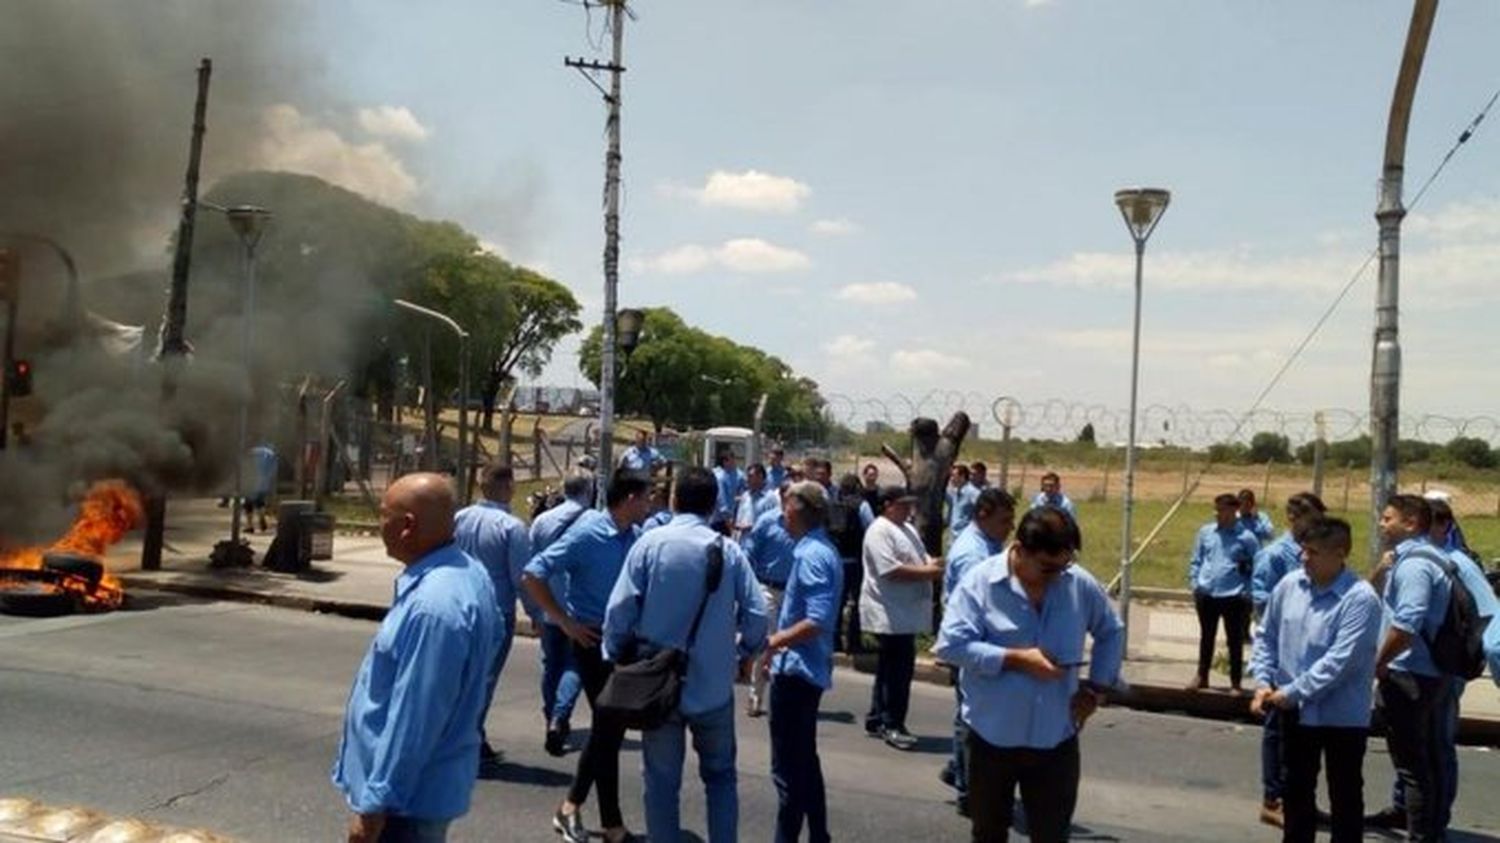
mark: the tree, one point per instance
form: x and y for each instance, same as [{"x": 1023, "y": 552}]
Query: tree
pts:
[
  {"x": 1087, "y": 434},
  {"x": 543, "y": 312},
  {"x": 1270, "y": 447},
  {"x": 685, "y": 377},
  {"x": 1470, "y": 451}
]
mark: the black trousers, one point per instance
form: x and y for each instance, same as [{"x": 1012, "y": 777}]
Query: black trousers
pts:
[
  {"x": 1410, "y": 705},
  {"x": 1048, "y": 779},
  {"x": 848, "y": 636},
  {"x": 1304, "y": 748},
  {"x": 1236, "y": 614},
  {"x": 891, "y": 696},
  {"x": 599, "y": 762},
  {"x": 795, "y": 768}
]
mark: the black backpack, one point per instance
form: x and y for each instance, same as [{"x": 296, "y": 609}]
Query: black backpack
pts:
[
  {"x": 844, "y": 528},
  {"x": 1458, "y": 647}
]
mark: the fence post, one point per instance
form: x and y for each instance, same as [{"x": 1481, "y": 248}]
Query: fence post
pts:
[
  {"x": 1320, "y": 453},
  {"x": 1187, "y": 467},
  {"x": 1005, "y": 451},
  {"x": 1265, "y": 486},
  {"x": 1104, "y": 489},
  {"x": 1348, "y": 477},
  {"x": 1021, "y": 487}
]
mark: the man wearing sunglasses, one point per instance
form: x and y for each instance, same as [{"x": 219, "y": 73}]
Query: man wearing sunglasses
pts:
[{"x": 1016, "y": 626}]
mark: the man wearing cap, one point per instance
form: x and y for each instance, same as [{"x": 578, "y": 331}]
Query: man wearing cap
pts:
[
  {"x": 802, "y": 665},
  {"x": 895, "y": 604}
]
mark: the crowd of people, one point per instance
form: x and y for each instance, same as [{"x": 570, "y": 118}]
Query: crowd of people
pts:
[{"x": 757, "y": 576}]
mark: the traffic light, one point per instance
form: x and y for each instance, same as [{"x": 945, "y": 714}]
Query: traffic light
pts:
[
  {"x": 10, "y": 275},
  {"x": 18, "y": 379}
]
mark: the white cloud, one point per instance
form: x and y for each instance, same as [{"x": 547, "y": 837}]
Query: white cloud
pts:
[
  {"x": 834, "y": 227},
  {"x": 744, "y": 254},
  {"x": 883, "y": 292},
  {"x": 849, "y": 346},
  {"x": 751, "y": 190},
  {"x": 297, "y": 143},
  {"x": 393, "y": 121},
  {"x": 925, "y": 363}
]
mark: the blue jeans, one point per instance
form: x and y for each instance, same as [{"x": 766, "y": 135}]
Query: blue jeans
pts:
[
  {"x": 1447, "y": 748},
  {"x": 409, "y": 830},
  {"x": 662, "y": 752},
  {"x": 1272, "y": 768},
  {"x": 795, "y": 768},
  {"x": 493, "y": 681},
  {"x": 560, "y": 682},
  {"x": 958, "y": 763}
]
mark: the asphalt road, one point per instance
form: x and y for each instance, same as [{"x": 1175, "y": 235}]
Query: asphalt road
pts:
[{"x": 226, "y": 716}]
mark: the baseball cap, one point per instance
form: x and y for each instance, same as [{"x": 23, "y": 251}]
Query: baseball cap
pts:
[{"x": 892, "y": 493}]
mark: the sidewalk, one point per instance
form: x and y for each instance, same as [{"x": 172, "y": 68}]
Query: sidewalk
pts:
[{"x": 358, "y": 583}]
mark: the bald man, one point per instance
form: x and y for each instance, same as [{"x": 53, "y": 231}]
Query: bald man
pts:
[{"x": 410, "y": 749}]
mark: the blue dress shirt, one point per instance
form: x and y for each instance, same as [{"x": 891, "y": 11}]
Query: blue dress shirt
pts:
[
  {"x": 488, "y": 532},
  {"x": 755, "y": 504},
  {"x": 775, "y": 474},
  {"x": 812, "y": 594},
  {"x": 972, "y": 546},
  {"x": 1317, "y": 645},
  {"x": 660, "y": 518},
  {"x": 1416, "y": 597},
  {"x": 544, "y": 531},
  {"x": 591, "y": 554},
  {"x": 961, "y": 506},
  {"x": 637, "y": 458},
  {"x": 1259, "y": 526},
  {"x": 410, "y": 743},
  {"x": 1488, "y": 605},
  {"x": 770, "y": 549},
  {"x": 1218, "y": 554},
  {"x": 1272, "y": 563},
  {"x": 1059, "y": 501},
  {"x": 658, "y": 594},
  {"x": 731, "y": 483},
  {"x": 990, "y": 614},
  {"x": 866, "y": 514}
]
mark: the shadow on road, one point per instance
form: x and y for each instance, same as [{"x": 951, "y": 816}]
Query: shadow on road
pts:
[
  {"x": 845, "y": 717},
  {"x": 149, "y": 601},
  {"x": 524, "y": 774}
]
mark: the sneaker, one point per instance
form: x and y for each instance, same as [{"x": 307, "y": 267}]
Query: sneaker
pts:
[
  {"x": 899, "y": 739},
  {"x": 570, "y": 827},
  {"x": 1387, "y": 818},
  {"x": 946, "y": 775},
  {"x": 556, "y": 743},
  {"x": 1270, "y": 813},
  {"x": 874, "y": 729}
]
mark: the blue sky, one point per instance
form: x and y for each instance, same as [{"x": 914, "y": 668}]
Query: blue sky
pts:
[{"x": 901, "y": 196}]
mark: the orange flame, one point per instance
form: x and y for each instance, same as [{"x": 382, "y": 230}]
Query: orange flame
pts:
[{"x": 109, "y": 511}]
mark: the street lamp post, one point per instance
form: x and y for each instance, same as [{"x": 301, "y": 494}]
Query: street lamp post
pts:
[
  {"x": 1141, "y": 208},
  {"x": 249, "y": 222},
  {"x": 461, "y": 476}
]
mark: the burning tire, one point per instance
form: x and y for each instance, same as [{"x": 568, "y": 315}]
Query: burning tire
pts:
[
  {"x": 84, "y": 567},
  {"x": 36, "y": 600}
]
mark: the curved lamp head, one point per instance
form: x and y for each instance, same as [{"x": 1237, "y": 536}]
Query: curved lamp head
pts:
[
  {"x": 628, "y": 324},
  {"x": 248, "y": 221},
  {"x": 1142, "y": 208}
]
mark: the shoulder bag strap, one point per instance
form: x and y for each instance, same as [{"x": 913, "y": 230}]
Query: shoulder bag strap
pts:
[{"x": 711, "y": 584}]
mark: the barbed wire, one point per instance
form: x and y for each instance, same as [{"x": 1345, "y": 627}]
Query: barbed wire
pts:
[{"x": 1159, "y": 424}]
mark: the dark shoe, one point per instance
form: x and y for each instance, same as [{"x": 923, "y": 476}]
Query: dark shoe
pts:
[
  {"x": 899, "y": 739},
  {"x": 961, "y": 805},
  {"x": 1325, "y": 819},
  {"x": 873, "y": 729},
  {"x": 490, "y": 755},
  {"x": 1387, "y": 818},
  {"x": 570, "y": 826},
  {"x": 1270, "y": 813},
  {"x": 946, "y": 775},
  {"x": 557, "y": 740}
]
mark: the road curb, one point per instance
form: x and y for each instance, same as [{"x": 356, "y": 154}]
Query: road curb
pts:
[{"x": 1211, "y": 705}]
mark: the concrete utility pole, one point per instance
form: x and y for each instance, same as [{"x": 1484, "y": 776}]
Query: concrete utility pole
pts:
[
  {"x": 1385, "y": 368},
  {"x": 173, "y": 342},
  {"x": 611, "y": 236}
]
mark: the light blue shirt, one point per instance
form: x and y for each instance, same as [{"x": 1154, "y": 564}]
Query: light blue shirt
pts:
[
  {"x": 660, "y": 518},
  {"x": 545, "y": 530},
  {"x": 637, "y": 458},
  {"x": 770, "y": 549},
  {"x": 1317, "y": 645},
  {"x": 990, "y": 614},
  {"x": 775, "y": 474},
  {"x": 1215, "y": 568},
  {"x": 658, "y": 594},
  {"x": 1259, "y": 526},
  {"x": 263, "y": 458},
  {"x": 410, "y": 743},
  {"x": 488, "y": 532},
  {"x": 812, "y": 594},
  {"x": 1059, "y": 501},
  {"x": 1272, "y": 563},
  {"x": 731, "y": 483},
  {"x": 961, "y": 506},
  {"x": 971, "y": 546},
  {"x": 755, "y": 504},
  {"x": 1489, "y": 607},
  {"x": 866, "y": 514},
  {"x": 591, "y": 554},
  {"x": 1416, "y": 598}
]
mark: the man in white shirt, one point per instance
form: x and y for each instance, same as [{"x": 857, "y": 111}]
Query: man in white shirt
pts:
[{"x": 895, "y": 604}]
